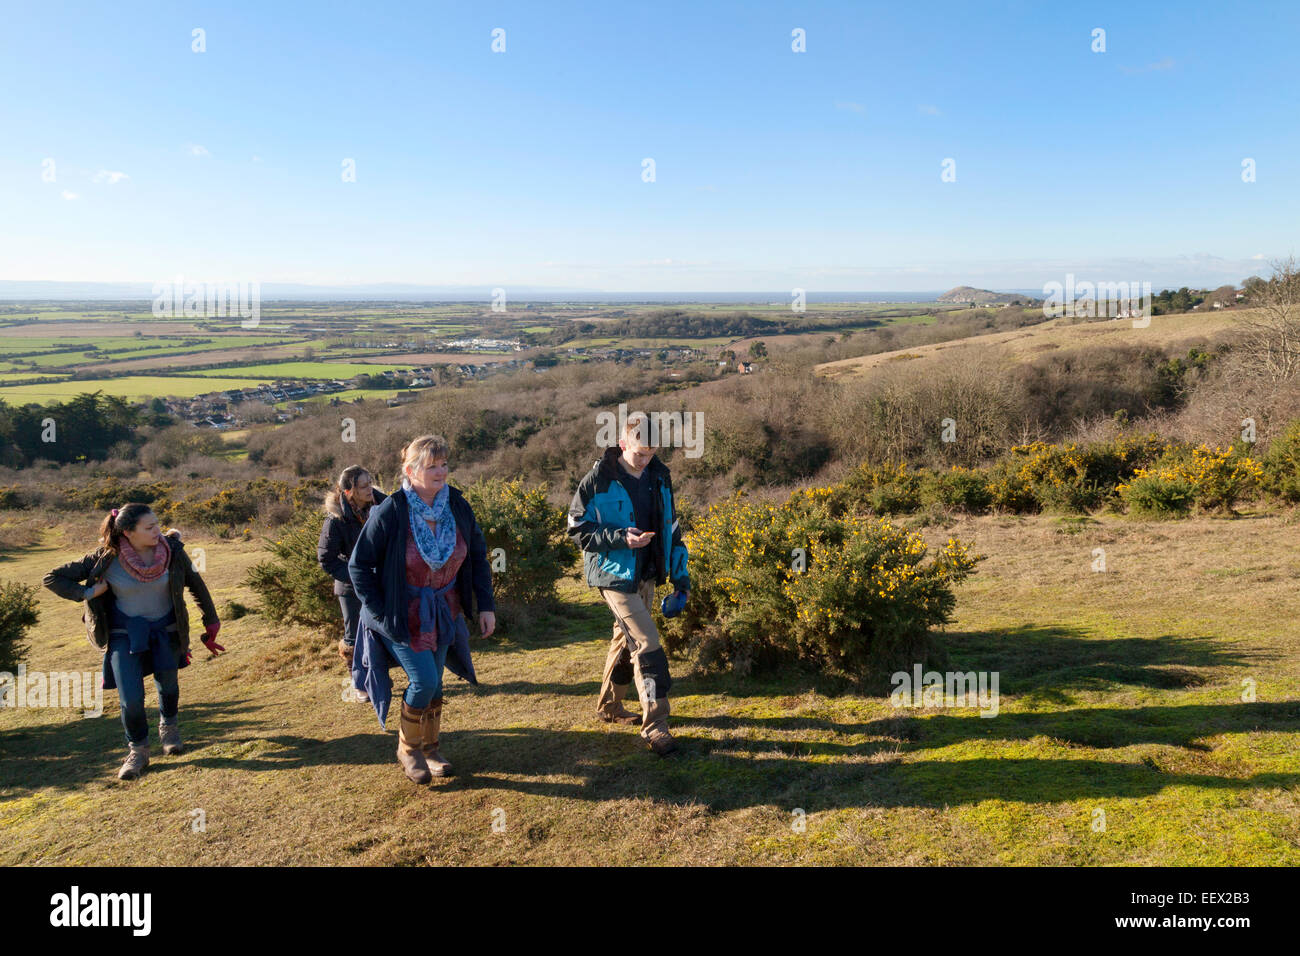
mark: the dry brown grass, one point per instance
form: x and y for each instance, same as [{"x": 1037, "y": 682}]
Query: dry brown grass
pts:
[{"x": 1026, "y": 343}]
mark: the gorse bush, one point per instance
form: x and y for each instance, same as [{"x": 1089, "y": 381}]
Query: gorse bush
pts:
[
  {"x": 963, "y": 488},
  {"x": 527, "y": 546},
  {"x": 18, "y": 613},
  {"x": 1185, "y": 476},
  {"x": 1281, "y": 466},
  {"x": 1074, "y": 478},
  {"x": 1009, "y": 490},
  {"x": 1158, "y": 494},
  {"x": 776, "y": 585},
  {"x": 232, "y": 508},
  {"x": 878, "y": 489},
  {"x": 291, "y": 584}
]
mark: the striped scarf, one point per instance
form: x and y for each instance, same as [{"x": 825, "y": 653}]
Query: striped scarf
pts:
[{"x": 135, "y": 563}]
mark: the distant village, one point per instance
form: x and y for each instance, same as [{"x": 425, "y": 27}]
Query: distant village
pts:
[{"x": 221, "y": 410}]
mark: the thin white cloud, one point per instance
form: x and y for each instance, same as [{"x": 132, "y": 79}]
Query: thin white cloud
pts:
[
  {"x": 69, "y": 195},
  {"x": 195, "y": 149},
  {"x": 112, "y": 177},
  {"x": 257, "y": 159},
  {"x": 929, "y": 109},
  {"x": 850, "y": 107}
]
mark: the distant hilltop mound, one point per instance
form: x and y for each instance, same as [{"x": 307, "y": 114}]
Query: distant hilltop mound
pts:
[{"x": 966, "y": 293}]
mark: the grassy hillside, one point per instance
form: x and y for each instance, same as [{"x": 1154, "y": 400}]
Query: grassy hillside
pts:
[
  {"x": 1035, "y": 340},
  {"x": 1121, "y": 692}
]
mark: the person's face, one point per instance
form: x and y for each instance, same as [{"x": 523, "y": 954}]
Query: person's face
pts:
[
  {"x": 362, "y": 493},
  {"x": 146, "y": 533},
  {"x": 428, "y": 477},
  {"x": 636, "y": 455}
]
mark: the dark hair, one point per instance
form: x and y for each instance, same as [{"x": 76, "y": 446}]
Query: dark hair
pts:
[
  {"x": 120, "y": 521},
  {"x": 351, "y": 475}
]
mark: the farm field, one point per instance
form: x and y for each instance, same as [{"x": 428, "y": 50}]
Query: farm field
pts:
[
  {"x": 134, "y": 387},
  {"x": 299, "y": 370}
]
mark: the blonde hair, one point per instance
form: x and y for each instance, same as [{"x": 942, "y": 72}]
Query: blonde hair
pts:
[{"x": 424, "y": 449}]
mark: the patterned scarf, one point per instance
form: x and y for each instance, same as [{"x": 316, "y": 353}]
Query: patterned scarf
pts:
[
  {"x": 436, "y": 548},
  {"x": 135, "y": 563}
]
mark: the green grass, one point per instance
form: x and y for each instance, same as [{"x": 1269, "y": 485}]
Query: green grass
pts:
[
  {"x": 301, "y": 370},
  {"x": 1120, "y": 692},
  {"x": 134, "y": 387}
]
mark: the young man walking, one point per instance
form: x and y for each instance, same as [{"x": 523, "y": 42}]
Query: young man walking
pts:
[{"x": 624, "y": 518}]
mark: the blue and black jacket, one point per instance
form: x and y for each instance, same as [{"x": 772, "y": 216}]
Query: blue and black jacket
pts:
[{"x": 602, "y": 512}]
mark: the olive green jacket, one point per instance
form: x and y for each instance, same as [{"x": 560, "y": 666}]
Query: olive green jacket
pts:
[{"x": 71, "y": 581}]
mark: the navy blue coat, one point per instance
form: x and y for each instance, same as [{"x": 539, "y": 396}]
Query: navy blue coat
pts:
[{"x": 378, "y": 571}]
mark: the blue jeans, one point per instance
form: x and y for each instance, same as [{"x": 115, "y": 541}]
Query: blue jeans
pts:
[
  {"x": 423, "y": 668},
  {"x": 129, "y": 675}
]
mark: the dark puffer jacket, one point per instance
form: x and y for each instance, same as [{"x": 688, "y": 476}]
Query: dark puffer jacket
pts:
[
  {"x": 71, "y": 580},
  {"x": 338, "y": 536}
]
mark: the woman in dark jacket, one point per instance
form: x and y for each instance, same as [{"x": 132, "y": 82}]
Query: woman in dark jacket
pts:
[
  {"x": 134, "y": 589},
  {"x": 346, "y": 508},
  {"x": 420, "y": 567}
]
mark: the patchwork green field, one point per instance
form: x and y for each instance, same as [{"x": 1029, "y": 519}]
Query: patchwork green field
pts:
[{"x": 118, "y": 350}]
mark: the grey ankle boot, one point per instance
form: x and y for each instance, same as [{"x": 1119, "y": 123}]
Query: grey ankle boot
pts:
[
  {"x": 136, "y": 760},
  {"x": 170, "y": 734}
]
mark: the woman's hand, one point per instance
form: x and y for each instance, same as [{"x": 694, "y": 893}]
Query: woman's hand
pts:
[
  {"x": 487, "y": 623},
  {"x": 210, "y": 638},
  {"x": 100, "y": 587}
]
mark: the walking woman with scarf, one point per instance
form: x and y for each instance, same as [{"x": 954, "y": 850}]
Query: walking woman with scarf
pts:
[
  {"x": 134, "y": 588},
  {"x": 419, "y": 567},
  {"x": 347, "y": 507}
]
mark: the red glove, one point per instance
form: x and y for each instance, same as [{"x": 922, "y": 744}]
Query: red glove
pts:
[{"x": 210, "y": 637}]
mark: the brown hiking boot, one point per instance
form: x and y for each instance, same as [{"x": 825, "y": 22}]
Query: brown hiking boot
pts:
[
  {"x": 170, "y": 734},
  {"x": 431, "y": 724},
  {"x": 136, "y": 760},
  {"x": 620, "y": 716},
  {"x": 409, "y": 754},
  {"x": 661, "y": 742}
]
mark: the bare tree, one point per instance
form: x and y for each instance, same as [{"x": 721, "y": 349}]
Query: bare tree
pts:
[{"x": 1270, "y": 342}]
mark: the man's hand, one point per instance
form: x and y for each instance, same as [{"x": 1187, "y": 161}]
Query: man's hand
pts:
[
  {"x": 487, "y": 623},
  {"x": 345, "y": 650},
  {"x": 637, "y": 538}
]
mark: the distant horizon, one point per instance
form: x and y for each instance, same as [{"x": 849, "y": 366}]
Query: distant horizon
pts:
[{"x": 16, "y": 292}]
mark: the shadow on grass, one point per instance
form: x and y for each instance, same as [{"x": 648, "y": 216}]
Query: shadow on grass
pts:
[
  {"x": 1045, "y": 663},
  {"x": 1184, "y": 726},
  {"x": 750, "y": 766},
  {"x": 72, "y": 753},
  {"x": 815, "y": 775},
  {"x": 1034, "y": 663}
]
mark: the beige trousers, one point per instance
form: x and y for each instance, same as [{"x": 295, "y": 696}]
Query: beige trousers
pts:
[{"x": 634, "y": 634}]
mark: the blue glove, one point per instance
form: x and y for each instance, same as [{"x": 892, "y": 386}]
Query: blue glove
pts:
[{"x": 672, "y": 605}]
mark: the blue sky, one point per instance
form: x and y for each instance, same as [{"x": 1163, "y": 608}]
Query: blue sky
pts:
[{"x": 774, "y": 169}]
